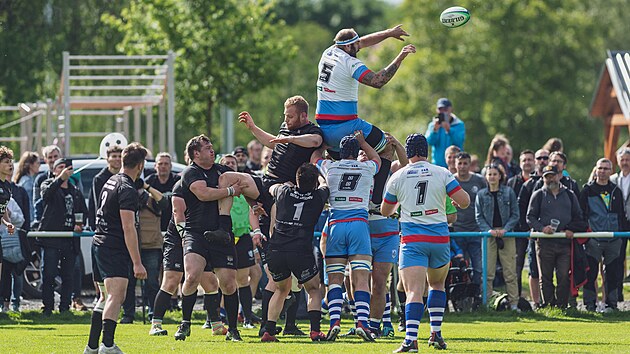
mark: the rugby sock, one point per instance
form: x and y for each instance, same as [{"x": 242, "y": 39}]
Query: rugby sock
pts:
[
  {"x": 231, "y": 308},
  {"x": 292, "y": 311},
  {"x": 225, "y": 223},
  {"x": 375, "y": 323},
  {"x": 353, "y": 309},
  {"x": 436, "y": 304},
  {"x": 413, "y": 313},
  {"x": 335, "y": 302},
  {"x": 245, "y": 295},
  {"x": 188, "y": 302},
  {"x": 95, "y": 329},
  {"x": 109, "y": 328},
  {"x": 212, "y": 306},
  {"x": 362, "y": 303},
  {"x": 162, "y": 300},
  {"x": 324, "y": 305},
  {"x": 315, "y": 317},
  {"x": 271, "y": 328},
  {"x": 387, "y": 314},
  {"x": 266, "y": 297},
  {"x": 379, "y": 181}
]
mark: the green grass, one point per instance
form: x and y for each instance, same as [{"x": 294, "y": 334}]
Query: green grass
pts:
[{"x": 543, "y": 331}]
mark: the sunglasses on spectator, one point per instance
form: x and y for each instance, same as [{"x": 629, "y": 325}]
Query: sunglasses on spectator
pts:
[{"x": 542, "y": 158}]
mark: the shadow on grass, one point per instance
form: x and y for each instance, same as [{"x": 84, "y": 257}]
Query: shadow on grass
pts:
[{"x": 547, "y": 314}]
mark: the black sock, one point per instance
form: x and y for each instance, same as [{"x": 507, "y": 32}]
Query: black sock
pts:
[
  {"x": 265, "y": 304},
  {"x": 245, "y": 295},
  {"x": 215, "y": 303},
  {"x": 231, "y": 308},
  {"x": 95, "y": 329},
  {"x": 207, "y": 306},
  {"x": 379, "y": 181},
  {"x": 315, "y": 317},
  {"x": 109, "y": 328},
  {"x": 162, "y": 300},
  {"x": 271, "y": 328},
  {"x": 402, "y": 299},
  {"x": 188, "y": 302},
  {"x": 292, "y": 310},
  {"x": 225, "y": 223}
]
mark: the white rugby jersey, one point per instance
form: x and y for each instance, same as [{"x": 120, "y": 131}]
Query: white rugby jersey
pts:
[
  {"x": 421, "y": 189},
  {"x": 338, "y": 86},
  {"x": 350, "y": 183}
]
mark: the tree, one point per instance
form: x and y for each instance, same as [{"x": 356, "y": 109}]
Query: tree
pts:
[{"x": 224, "y": 49}]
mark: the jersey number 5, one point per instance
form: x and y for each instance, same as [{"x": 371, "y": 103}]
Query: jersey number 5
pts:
[
  {"x": 421, "y": 186},
  {"x": 324, "y": 76},
  {"x": 349, "y": 181}
]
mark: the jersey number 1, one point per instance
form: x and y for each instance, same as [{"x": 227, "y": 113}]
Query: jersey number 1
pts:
[
  {"x": 421, "y": 186},
  {"x": 299, "y": 207}
]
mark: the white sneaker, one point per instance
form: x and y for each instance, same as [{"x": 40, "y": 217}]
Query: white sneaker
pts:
[
  {"x": 515, "y": 308},
  {"x": 103, "y": 349},
  {"x": 156, "y": 330},
  {"x": 248, "y": 325},
  {"x": 89, "y": 350}
]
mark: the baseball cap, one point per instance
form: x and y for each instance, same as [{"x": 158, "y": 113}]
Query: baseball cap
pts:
[
  {"x": 550, "y": 169},
  {"x": 443, "y": 102},
  {"x": 240, "y": 150},
  {"x": 60, "y": 161}
]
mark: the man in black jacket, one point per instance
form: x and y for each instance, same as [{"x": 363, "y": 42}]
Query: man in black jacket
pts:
[
  {"x": 114, "y": 163},
  {"x": 603, "y": 206},
  {"x": 163, "y": 181},
  {"x": 61, "y": 201},
  {"x": 50, "y": 153}
]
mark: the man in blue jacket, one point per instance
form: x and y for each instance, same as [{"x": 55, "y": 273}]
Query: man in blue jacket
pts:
[{"x": 444, "y": 130}]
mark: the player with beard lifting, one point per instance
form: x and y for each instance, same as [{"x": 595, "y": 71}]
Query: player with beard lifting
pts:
[{"x": 207, "y": 189}]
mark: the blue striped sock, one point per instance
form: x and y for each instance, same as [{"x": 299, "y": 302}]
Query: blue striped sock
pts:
[
  {"x": 436, "y": 304},
  {"x": 413, "y": 314},
  {"x": 387, "y": 314},
  {"x": 362, "y": 303},
  {"x": 335, "y": 302},
  {"x": 375, "y": 323}
]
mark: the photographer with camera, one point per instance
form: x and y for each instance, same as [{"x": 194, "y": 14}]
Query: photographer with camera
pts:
[{"x": 444, "y": 130}]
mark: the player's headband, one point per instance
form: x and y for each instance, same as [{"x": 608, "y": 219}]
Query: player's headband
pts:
[{"x": 348, "y": 41}]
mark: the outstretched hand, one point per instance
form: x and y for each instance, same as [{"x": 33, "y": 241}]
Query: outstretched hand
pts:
[
  {"x": 398, "y": 32},
  {"x": 246, "y": 118}
]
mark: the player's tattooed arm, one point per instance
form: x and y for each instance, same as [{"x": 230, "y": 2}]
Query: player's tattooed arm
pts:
[{"x": 382, "y": 77}]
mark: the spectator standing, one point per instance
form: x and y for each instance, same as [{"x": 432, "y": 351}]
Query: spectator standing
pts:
[
  {"x": 498, "y": 153},
  {"x": 28, "y": 168},
  {"x": 163, "y": 181},
  {"x": 241, "y": 159},
  {"x": 114, "y": 163},
  {"x": 622, "y": 179},
  {"x": 444, "y": 130},
  {"x": 496, "y": 211},
  {"x": 254, "y": 151},
  {"x": 556, "y": 203},
  {"x": 603, "y": 206},
  {"x": 11, "y": 277},
  {"x": 51, "y": 153},
  {"x": 451, "y": 158},
  {"x": 526, "y": 163},
  {"x": 559, "y": 160},
  {"x": 472, "y": 183},
  {"x": 61, "y": 202}
]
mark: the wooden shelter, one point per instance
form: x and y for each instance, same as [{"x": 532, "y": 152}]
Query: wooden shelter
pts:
[{"x": 611, "y": 101}]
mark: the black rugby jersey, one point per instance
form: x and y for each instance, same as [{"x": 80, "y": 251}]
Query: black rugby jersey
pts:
[
  {"x": 201, "y": 216},
  {"x": 297, "y": 214},
  {"x": 118, "y": 193},
  {"x": 287, "y": 158}
]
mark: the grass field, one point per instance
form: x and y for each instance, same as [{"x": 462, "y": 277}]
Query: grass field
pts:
[{"x": 543, "y": 331}]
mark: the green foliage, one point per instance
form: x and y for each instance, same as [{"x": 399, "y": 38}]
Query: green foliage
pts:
[{"x": 225, "y": 49}]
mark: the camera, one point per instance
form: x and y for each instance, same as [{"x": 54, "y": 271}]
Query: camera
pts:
[{"x": 441, "y": 117}]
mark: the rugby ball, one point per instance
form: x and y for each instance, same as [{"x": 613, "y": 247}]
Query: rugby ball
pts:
[{"x": 455, "y": 16}]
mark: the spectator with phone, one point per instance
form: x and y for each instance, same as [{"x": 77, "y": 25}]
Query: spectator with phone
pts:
[
  {"x": 444, "y": 130},
  {"x": 61, "y": 201}
]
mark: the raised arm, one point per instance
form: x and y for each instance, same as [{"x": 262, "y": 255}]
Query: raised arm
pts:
[
  {"x": 379, "y": 79},
  {"x": 369, "y": 150},
  {"x": 374, "y": 38},
  {"x": 261, "y": 135}
]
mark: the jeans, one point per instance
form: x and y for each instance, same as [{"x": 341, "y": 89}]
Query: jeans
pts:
[
  {"x": 554, "y": 255},
  {"x": 151, "y": 260},
  {"x": 51, "y": 269},
  {"x": 11, "y": 284},
  {"x": 471, "y": 246}
]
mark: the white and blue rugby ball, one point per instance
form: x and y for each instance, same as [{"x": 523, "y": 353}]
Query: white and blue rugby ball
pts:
[{"x": 455, "y": 16}]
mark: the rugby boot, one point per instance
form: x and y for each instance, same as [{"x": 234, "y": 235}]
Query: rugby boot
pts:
[
  {"x": 405, "y": 347},
  {"x": 437, "y": 341},
  {"x": 156, "y": 330},
  {"x": 268, "y": 338},
  {"x": 364, "y": 333},
  {"x": 234, "y": 335},
  {"x": 183, "y": 331},
  {"x": 317, "y": 336},
  {"x": 333, "y": 332}
]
